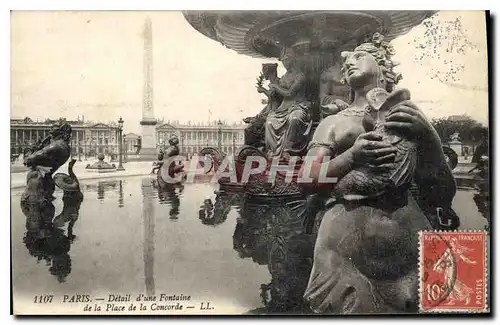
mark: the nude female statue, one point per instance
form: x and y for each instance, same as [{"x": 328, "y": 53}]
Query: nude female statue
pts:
[
  {"x": 366, "y": 253},
  {"x": 287, "y": 125}
]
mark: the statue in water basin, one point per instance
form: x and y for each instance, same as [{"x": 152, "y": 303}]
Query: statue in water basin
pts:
[
  {"x": 288, "y": 125},
  {"x": 166, "y": 173},
  {"x": 283, "y": 126},
  {"x": 43, "y": 160},
  {"x": 366, "y": 251},
  {"x": 255, "y": 131}
]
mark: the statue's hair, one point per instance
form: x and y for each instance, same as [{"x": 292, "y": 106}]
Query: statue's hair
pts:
[
  {"x": 173, "y": 140},
  {"x": 61, "y": 131},
  {"x": 382, "y": 52}
]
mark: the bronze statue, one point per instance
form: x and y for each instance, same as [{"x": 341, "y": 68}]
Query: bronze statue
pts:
[
  {"x": 288, "y": 126},
  {"x": 173, "y": 168},
  {"x": 44, "y": 237},
  {"x": 43, "y": 160},
  {"x": 330, "y": 102},
  {"x": 365, "y": 258},
  {"x": 255, "y": 131},
  {"x": 72, "y": 197}
]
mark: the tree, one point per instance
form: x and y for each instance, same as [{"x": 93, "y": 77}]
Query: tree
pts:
[{"x": 469, "y": 129}]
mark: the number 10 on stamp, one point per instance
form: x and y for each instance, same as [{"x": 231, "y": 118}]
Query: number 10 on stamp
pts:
[{"x": 453, "y": 273}]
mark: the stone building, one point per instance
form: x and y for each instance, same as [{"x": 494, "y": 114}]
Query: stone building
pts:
[
  {"x": 87, "y": 138},
  {"x": 194, "y": 137},
  {"x": 131, "y": 143},
  {"x": 92, "y": 138}
]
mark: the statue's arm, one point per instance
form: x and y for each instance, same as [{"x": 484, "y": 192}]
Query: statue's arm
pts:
[
  {"x": 45, "y": 155},
  {"x": 322, "y": 156},
  {"x": 262, "y": 90},
  {"x": 296, "y": 85},
  {"x": 433, "y": 175},
  {"x": 263, "y": 113}
]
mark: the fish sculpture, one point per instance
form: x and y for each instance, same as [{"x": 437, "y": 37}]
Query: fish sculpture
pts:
[{"x": 368, "y": 182}]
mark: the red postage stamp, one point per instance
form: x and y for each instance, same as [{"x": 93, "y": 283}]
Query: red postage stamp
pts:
[{"x": 453, "y": 273}]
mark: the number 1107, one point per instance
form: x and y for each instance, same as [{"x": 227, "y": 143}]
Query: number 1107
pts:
[{"x": 45, "y": 299}]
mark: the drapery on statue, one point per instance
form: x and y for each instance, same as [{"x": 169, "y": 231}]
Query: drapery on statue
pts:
[
  {"x": 366, "y": 253},
  {"x": 43, "y": 160},
  {"x": 288, "y": 126},
  {"x": 255, "y": 131}
]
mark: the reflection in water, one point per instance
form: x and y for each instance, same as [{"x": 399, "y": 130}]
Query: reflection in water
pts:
[
  {"x": 169, "y": 194},
  {"x": 148, "y": 194},
  {"x": 288, "y": 249},
  {"x": 45, "y": 238},
  {"x": 120, "y": 195},
  {"x": 213, "y": 214},
  {"x": 101, "y": 188},
  {"x": 272, "y": 233}
]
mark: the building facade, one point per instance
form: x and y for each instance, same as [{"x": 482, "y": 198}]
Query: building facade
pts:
[
  {"x": 90, "y": 139},
  {"x": 87, "y": 139},
  {"x": 193, "y": 138},
  {"x": 131, "y": 143}
]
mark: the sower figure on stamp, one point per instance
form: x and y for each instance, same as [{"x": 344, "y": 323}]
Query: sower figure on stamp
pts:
[
  {"x": 458, "y": 291},
  {"x": 366, "y": 252}
]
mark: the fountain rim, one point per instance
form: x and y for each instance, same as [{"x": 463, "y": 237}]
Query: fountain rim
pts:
[{"x": 240, "y": 34}]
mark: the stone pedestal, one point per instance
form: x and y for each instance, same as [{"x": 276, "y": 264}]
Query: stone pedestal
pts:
[
  {"x": 456, "y": 146},
  {"x": 148, "y": 150}
]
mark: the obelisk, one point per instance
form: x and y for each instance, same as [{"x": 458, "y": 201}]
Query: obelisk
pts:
[{"x": 148, "y": 122}]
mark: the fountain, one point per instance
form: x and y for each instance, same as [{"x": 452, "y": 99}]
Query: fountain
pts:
[
  {"x": 101, "y": 166},
  {"x": 309, "y": 44}
]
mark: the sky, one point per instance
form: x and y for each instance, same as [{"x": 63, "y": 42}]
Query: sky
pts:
[{"x": 70, "y": 64}]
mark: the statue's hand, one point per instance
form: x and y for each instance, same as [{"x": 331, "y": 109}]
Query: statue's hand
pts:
[
  {"x": 406, "y": 117},
  {"x": 368, "y": 149},
  {"x": 340, "y": 104},
  {"x": 261, "y": 90},
  {"x": 329, "y": 109},
  {"x": 248, "y": 119}
]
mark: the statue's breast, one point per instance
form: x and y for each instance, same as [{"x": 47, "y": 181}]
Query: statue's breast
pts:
[{"x": 347, "y": 130}]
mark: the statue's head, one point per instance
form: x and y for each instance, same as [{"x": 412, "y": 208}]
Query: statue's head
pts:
[
  {"x": 269, "y": 70},
  {"x": 370, "y": 63},
  {"x": 61, "y": 130},
  {"x": 173, "y": 140},
  {"x": 287, "y": 57}
]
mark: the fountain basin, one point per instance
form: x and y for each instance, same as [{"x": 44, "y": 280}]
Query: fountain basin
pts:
[{"x": 101, "y": 166}]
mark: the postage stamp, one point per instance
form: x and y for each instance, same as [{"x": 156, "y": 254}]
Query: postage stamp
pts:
[{"x": 453, "y": 272}]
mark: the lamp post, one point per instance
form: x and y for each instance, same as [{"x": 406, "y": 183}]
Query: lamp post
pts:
[
  {"x": 234, "y": 144},
  {"x": 219, "y": 135},
  {"x": 120, "y": 129},
  {"x": 86, "y": 149},
  {"x": 125, "y": 151}
]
